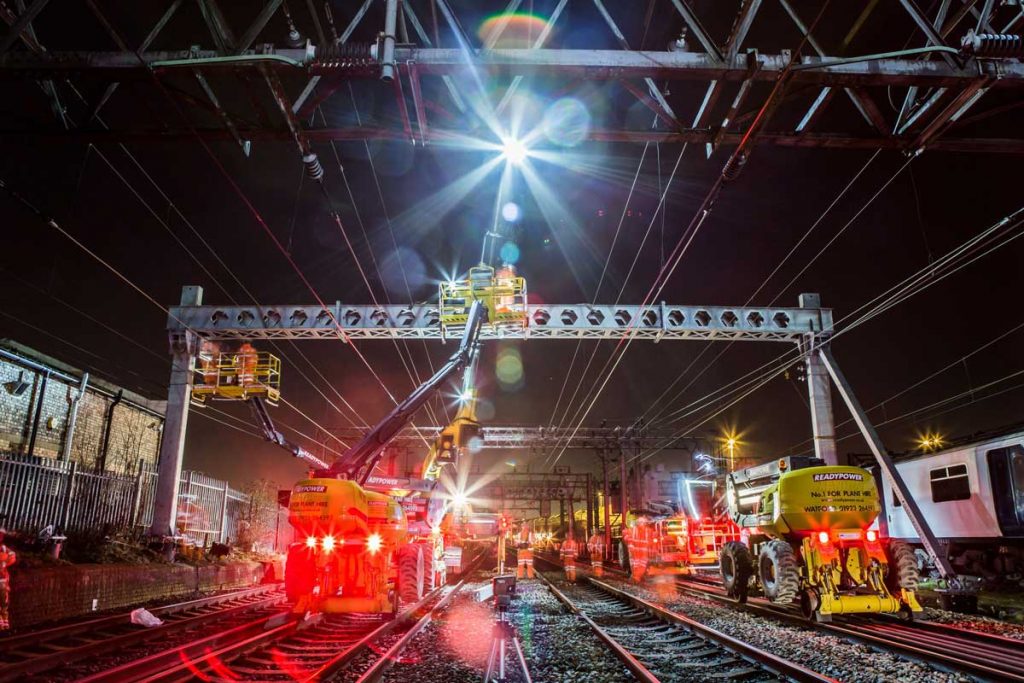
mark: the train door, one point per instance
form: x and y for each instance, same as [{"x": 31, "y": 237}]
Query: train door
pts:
[{"x": 1006, "y": 468}]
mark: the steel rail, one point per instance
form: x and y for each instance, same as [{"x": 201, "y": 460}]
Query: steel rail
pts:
[
  {"x": 762, "y": 658},
  {"x": 338, "y": 662},
  {"x": 988, "y": 656},
  {"x": 144, "y": 668},
  {"x": 217, "y": 651},
  {"x": 11, "y": 643},
  {"x": 632, "y": 663},
  {"x": 98, "y": 643},
  {"x": 385, "y": 661}
]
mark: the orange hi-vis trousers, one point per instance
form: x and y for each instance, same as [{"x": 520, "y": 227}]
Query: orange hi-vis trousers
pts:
[
  {"x": 598, "y": 567},
  {"x": 525, "y": 564}
]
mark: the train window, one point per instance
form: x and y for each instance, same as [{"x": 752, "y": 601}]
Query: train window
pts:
[
  {"x": 1017, "y": 477},
  {"x": 1006, "y": 470},
  {"x": 950, "y": 483}
]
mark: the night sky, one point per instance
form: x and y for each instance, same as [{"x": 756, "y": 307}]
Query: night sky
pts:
[{"x": 56, "y": 298}]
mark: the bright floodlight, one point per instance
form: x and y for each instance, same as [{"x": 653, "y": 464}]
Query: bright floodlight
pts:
[
  {"x": 465, "y": 396},
  {"x": 514, "y": 151},
  {"x": 373, "y": 543},
  {"x": 459, "y": 500}
]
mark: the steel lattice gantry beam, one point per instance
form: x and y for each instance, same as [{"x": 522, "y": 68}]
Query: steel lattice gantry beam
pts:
[
  {"x": 575, "y": 64},
  {"x": 547, "y": 321},
  {"x": 515, "y": 437},
  {"x": 572, "y": 65},
  {"x": 951, "y": 82}
]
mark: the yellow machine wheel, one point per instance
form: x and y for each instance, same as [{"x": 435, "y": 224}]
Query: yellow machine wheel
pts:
[
  {"x": 903, "y": 573},
  {"x": 779, "y": 571},
  {"x": 737, "y": 566},
  {"x": 410, "y": 574}
]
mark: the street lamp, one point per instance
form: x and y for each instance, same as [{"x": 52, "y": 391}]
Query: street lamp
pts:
[{"x": 731, "y": 442}]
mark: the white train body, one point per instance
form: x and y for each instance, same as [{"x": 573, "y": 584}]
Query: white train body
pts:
[{"x": 972, "y": 497}]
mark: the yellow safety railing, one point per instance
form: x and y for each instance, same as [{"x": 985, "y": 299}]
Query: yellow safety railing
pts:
[
  {"x": 502, "y": 292},
  {"x": 236, "y": 376}
]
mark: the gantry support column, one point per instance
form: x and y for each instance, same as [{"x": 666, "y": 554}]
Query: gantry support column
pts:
[
  {"x": 819, "y": 389},
  {"x": 172, "y": 444}
]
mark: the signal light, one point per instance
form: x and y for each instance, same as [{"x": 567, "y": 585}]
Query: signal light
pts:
[
  {"x": 373, "y": 543},
  {"x": 871, "y": 535},
  {"x": 823, "y": 537},
  {"x": 327, "y": 543},
  {"x": 310, "y": 541}
]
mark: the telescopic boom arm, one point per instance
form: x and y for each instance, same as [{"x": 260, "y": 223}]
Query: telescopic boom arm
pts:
[
  {"x": 363, "y": 456},
  {"x": 270, "y": 433}
]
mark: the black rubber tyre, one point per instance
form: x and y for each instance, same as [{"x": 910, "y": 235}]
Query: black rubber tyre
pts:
[
  {"x": 624, "y": 557},
  {"x": 299, "y": 572},
  {"x": 429, "y": 580},
  {"x": 410, "y": 574},
  {"x": 779, "y": 572},
  {"x": 903, "y": 571},
  {"x": 737, "y": 566}
]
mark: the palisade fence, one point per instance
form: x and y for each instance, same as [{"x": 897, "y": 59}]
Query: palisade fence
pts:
[{"x": 37, "y": 492}]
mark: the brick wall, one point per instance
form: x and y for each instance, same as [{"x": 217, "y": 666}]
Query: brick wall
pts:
[
  {"x": 134, "y": 431},
  {"x": 50, "y": 593}
]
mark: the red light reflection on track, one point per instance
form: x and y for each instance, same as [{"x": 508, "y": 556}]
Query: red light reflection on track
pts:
[
  {"x": 214, "y": 663},
  {"x": 665, "y": 587},
  {"x": 467, "y": 631},
  {"x": 290, "y": 667}
]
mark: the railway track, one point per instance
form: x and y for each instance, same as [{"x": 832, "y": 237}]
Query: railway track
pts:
[
  {"x": 656, "y": 644},
  {"x": 286, "y": 647},
  {"x": 35, "y": 653},
  {"x": 985, "y": 656}
]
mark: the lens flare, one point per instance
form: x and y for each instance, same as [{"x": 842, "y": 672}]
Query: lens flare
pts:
[
  {"x": 566, "y": 122},
  {"x": 373, "y": 543},
  {"x": 509, "y": 368},
  {"x": 514, "y": 151},
  {"x": 310, "y": 541},
  {"x": 509, "y": 253},
  {"x": 327, "y": 543},
  {"x": 510, "y": 212},
  {"x": 511, "y": 31}
]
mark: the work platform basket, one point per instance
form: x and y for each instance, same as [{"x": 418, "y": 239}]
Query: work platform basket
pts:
[
  {"x": 502, "y": 292},
  {"x": 237, "y": 376}
]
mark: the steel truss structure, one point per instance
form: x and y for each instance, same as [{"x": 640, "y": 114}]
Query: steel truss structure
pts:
[
  {"x": 547, "y": 321},
  {"x": 522, "y": 437},
  {"x": 431, "y": 75}
]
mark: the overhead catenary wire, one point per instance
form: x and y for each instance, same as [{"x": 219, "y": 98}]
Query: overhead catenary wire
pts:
[
  {"x": 905, "y": 293},
  {"x": 413, "y": 371},
  {"x": 785, "y": 288},
  {"x": 949, "y": 366},
  {"x": 597, "y": 290},
  {"x": 729, "y": 170},
  {"x": 972, "y": 394},
  {"x": 778, "y": 365},
  {"x": 52, "y": 223},
  {"x": 254, "y": 212},
  {"x": 198, "y": 234},
  {"x": 277, "y": 423},
  {"x": 391, "y": 231}
]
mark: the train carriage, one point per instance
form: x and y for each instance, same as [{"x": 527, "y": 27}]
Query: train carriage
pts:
[{"x": 973, "y": 498}]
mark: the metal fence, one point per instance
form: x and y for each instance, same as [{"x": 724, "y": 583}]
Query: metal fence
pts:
[{"x": 37, "y": 492}]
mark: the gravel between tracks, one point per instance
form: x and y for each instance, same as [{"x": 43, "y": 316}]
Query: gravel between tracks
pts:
[
  {"x": 975, "y": 622},
  {"x": 826, "y": 654},
  {"x": 557, "y": 645}
]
